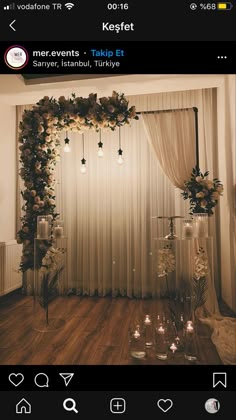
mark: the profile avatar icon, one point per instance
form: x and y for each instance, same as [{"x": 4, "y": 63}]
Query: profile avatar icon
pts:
[
  {"x": 16, "y": 57},
  {"x": 212, "y": 406}
]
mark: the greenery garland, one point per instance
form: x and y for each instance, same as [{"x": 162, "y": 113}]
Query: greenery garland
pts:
[{"x": 39, "y": 147}]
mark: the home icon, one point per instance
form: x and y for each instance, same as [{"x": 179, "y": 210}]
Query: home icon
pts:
[{"x": 23, "y": 407}]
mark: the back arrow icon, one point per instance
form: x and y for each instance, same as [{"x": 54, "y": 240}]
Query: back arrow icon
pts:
[{"x": 11, "y": 25}]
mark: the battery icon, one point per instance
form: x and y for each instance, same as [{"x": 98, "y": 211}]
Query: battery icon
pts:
[{"x": 224, "y": 6}]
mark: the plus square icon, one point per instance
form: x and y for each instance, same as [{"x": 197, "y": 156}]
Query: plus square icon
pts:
[{"x": 117, "y": 405}]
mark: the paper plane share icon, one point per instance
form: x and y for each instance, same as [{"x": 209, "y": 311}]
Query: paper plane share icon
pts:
[{"x": 67, "y": 377}]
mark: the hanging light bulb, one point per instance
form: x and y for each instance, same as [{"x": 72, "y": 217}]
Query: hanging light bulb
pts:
[
  {"x": 67, "y": 148},
  {"x": 100, "y": 146},
  {"x": 83, "y": 167},
  {"x": 120, "y": 159}
]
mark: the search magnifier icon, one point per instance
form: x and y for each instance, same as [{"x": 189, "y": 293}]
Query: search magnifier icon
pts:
[{"x": 70, "y": 405}]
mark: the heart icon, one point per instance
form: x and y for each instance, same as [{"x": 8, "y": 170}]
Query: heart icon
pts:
[
  {"x": 164, "y": 405},
  {"x": 16, "y": 378}
]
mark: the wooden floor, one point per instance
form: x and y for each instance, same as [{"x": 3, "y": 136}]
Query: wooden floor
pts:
[{"x": 95, "y": 333}]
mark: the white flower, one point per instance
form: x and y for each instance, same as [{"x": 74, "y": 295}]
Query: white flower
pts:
[
  {"x": 52, "y": 260},
  {"x": 200, "y": 264},
  {"x": 165, "y": 262}
]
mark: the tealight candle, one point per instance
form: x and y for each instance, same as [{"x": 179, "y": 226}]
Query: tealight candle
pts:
[
  {"x": 136, "y": 334},
  {"x": 147, "y": 320},
  {"x": 173, "y": 347},
  {"x": 189, "y": 327},
  {"x": 161, "y": 330}
]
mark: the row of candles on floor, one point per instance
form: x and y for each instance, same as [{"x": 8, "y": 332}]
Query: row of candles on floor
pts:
[{"x": 164, "y": 337}]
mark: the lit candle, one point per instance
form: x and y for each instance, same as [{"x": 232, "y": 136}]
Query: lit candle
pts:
[
  {"x": 187, "y": 231},
  {"x": 161, "y": 343},
  {"x": 148, "y": 331},
  {"x": 161, "y": 330},
  {"x": 136, "y": 334},
  {"x": 190, "y": 328},
  {"x": 58, "y": 231},
  {"x": 43, "y": 229},
  {"x": 173, "y": 347},
  {"x": 147, "y": 320}
]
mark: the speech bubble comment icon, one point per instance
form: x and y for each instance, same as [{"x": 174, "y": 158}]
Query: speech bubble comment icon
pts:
[{"x": 41, "y": 380}]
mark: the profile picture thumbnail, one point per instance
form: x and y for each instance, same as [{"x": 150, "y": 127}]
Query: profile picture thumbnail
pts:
[
  {"x": 212, "y": 406},
  {"x": 16, "y": 57}
]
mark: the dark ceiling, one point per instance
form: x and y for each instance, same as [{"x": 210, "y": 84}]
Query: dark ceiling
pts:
[
  {"x": 31, "y": 79},
  {"x": 40, "y": 76}
]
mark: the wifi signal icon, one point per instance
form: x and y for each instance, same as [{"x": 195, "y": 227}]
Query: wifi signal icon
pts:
[{"x": 69, "y": 5}]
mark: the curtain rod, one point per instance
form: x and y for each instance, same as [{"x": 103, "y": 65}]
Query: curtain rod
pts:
[{"x": 167, "y": 110}]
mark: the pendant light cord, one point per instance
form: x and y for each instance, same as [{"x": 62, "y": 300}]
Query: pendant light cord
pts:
[{"x": 83, "y": 144}]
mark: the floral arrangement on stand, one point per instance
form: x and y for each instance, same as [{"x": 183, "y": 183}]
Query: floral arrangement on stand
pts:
[
  {"x": 202, "y": 192},
  {"x": 199, "y": 279},
  {"x": 40, "y": 151},
  {"x": 165, "y": 264}
]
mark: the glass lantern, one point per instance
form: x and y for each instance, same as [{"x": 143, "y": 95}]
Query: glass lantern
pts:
[
  {"x": 58, "y": 229},
  {"x": 200, "y": 223},
  {"x": 187, "y": 229},
  {"x": 44, "y": 227}
]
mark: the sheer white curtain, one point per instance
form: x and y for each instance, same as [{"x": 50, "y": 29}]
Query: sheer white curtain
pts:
[
  {"x": 108, "y": 212},
  {"x": 173, "y": 140},
  {"x": 206, "y": 102}
]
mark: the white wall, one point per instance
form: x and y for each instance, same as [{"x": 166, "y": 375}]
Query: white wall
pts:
[{"x": 7, "y": 172}]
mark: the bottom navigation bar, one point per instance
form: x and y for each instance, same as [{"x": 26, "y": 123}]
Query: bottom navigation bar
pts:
[{"x": 105, "y": 404}]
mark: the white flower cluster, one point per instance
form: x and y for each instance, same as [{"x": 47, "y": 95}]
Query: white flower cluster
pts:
[
  {"x": 200, "y": 264},
  {"x": 165, "y": 261},
  {"x": 52, "y": 259}
]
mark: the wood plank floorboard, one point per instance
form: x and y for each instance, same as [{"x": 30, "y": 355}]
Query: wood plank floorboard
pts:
[{"x": 95, "y": 332}]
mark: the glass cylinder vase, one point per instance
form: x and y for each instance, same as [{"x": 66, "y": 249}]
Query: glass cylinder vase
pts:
[
  {"x": 161, "y": 342},
  {"x": 200, "y": 225},
  {"x": 44, "y": 226},
  {"x": 190, "y": 351},
  {"x": 137, "y": 345},
  {"x": 187, "y": 229},
  {"x": 58, "y": 229}
]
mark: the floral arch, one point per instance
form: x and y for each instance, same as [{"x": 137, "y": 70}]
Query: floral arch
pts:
[{"x": 40, "y": 150}]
